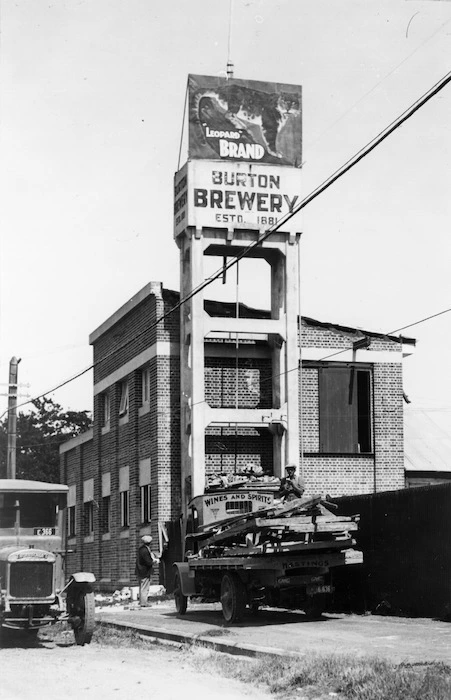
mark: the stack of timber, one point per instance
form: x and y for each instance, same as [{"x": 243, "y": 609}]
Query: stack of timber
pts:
[{"x": 304, "y": 525}]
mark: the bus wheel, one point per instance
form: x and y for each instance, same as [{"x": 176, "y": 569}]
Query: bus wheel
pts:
[
  {"x": 233, "y": 598},
  {"x": 181, "y": 601},
  {"x": 82, "y": 610}
]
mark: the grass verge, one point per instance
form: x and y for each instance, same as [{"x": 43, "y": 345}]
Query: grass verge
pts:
[{"x": 341, "y": 676}]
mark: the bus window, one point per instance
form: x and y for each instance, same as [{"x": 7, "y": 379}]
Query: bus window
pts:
[
  {"x": 7, "y": 509},
  {"x": 36, "y": 509}
]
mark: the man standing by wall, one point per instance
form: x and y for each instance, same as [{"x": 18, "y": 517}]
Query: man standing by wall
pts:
[{"x": 144, "y": 564}]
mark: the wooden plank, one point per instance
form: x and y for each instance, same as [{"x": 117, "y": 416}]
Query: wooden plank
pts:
[
  {"x": 336, "y": 526},
  {"x": 288, "y": 547},
  {"x": 295, "y": 524}
]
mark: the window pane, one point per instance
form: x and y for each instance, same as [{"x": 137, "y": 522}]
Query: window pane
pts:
[
  {"x": 106, "y": 514},
  {"x": 338, "y": 408},
  {"x": 71, "y": 521},
  {"x": 364, "y": 411},
  {"x": 105, "y": 404},
  {"x": 88, "y": 515},
  {"x": 145, "y": 504},
  {"x": 124, "y": 508},
  {"x": 145, "y": 386},
  {"x": 345, "y": 410},
  {"x": 123, "y": 406}
]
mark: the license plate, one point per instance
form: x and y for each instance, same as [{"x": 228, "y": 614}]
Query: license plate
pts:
[
  {"x": 44, "y": 531},
  {"x": 325, "y": 588}
]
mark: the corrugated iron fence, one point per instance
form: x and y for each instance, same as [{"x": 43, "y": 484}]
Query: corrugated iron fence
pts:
[{"x": 406, "y": 540}]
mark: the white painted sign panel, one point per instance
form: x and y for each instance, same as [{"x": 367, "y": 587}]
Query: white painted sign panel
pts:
[{"x": 233, "y": 195}]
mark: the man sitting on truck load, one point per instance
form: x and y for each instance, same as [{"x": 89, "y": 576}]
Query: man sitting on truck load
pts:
[{"x": 291, "y": 486}]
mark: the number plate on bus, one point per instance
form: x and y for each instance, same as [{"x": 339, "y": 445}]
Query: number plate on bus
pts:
[{"x": 44, "y": 531}]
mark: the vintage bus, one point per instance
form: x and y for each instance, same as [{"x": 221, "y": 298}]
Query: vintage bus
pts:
[{"x": 35, "y": 589}]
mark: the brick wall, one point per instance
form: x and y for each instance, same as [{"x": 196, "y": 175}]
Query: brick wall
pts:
[
  {"x": 251, "y": 376},
  {"x": 227, "y": 450},
  {"x": 153, "y": 432}
]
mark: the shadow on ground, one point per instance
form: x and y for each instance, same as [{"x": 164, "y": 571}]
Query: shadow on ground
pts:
[{"x": 262, "y": 618}]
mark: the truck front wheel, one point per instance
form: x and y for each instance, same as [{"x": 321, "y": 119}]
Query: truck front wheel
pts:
[
  {"x": 81, "y": 607},
  {"x": 181, "y": 601},
  {"x": 315, "y": 607},
  {"x": 233, "y": 598}
]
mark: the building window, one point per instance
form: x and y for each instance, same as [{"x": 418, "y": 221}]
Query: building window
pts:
[
  {"x": 125, "y": 508},
  {"x": 106, "y": 514},
  {"x": 145, "y": 386},
  {"x": 71, "y": 510},
  {"x": 345, "y": 410},
  {"x": 88, "y": 518},
  {"x": 71, "y": 529},
  {"x": 123, "y": 401},
  {"x": 105, "y": 408},
  {"x": 145, "y": 504}
]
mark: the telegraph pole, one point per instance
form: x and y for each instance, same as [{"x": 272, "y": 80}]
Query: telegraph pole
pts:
[{"x": 12, "y": 419}]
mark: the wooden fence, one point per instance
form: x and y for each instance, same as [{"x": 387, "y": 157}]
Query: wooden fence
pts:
[{"x": 405, "y": 537}]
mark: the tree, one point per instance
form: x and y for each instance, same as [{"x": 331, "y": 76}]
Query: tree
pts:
[{"x": 39, "y": 436}]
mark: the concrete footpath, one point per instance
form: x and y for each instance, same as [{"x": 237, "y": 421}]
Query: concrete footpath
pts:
[{"x": 288, "y": 633}]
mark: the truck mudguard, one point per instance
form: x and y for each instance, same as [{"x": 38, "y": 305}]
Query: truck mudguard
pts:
[
  {"x": 83, "y": 577},
  {"x": 187, "y": 578}
]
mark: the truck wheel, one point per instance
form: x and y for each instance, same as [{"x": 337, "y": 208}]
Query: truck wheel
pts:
[
  {"x": 181, "y": 601},
  {"x": 315, "y": 607},
  {"x": 82, "y": 609},
  {"x": 233, "y": 598}
]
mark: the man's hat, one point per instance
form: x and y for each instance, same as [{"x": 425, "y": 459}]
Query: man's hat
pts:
[
  {"x": 146, "y": 539},
  {"x": 290, "y": 466}
]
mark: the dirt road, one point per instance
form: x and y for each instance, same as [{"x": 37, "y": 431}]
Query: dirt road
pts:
[{"x": 56, "y": 670}]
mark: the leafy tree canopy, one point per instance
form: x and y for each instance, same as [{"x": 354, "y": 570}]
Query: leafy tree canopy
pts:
[{"x": 39, "y": 436}]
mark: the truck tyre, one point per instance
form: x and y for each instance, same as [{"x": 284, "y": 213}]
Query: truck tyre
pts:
[
  {"x": 315, "y": 607},
  {"x": 233, "y": 598},
  {"x": 181, "y": 601},
  {"x": 81, "y": 606}
]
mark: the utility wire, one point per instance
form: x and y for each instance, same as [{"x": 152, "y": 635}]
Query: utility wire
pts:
[
  {"x": 262, "y": 381},
  {"x": 276, "y": 227},
  {"x": 340, "y": 352}
]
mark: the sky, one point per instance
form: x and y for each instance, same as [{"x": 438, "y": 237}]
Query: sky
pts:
[{"x": 91, "y": 109}]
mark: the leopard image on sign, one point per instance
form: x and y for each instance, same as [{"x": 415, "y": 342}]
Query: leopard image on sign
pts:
[{"x": 244, "y": 120}]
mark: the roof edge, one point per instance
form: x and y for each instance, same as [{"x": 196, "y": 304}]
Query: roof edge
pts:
[
  {"x": 76, "y": 441},
  {"x": 154, "y": 288}
]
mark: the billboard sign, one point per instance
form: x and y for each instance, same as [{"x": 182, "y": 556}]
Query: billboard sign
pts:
[
  {"x": 233, "y": 195},
  {"x": 244, "y": 121}
]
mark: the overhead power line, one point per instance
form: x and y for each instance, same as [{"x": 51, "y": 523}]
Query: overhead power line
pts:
[{"x": 362, "y": 153}]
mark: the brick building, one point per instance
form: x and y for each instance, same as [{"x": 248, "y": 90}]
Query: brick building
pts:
[{"x": 124, "y": 475}]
